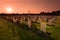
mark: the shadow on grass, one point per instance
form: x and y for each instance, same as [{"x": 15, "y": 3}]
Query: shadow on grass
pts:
[{"x": 23, "y": 26}]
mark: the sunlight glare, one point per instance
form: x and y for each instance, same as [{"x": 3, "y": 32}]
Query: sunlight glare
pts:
[{"x": 9, "y": 10}]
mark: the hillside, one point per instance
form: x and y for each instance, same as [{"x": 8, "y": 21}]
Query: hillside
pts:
[{"x": 10, "y": 31}]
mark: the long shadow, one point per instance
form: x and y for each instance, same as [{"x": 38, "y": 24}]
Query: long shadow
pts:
[{"x": 46, "y": 36}]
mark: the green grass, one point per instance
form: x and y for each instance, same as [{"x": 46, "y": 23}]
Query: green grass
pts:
[
  {"x": 11, "y": 31},
  {"x": 55, "y": 30}
]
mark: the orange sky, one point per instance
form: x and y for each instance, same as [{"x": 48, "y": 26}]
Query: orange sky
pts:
[{"x": 35, "y": 6}]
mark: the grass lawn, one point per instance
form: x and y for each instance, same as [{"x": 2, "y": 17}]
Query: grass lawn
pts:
[
  {"x": 10, "y": 31},
  {"x": 55, "y": 30}
]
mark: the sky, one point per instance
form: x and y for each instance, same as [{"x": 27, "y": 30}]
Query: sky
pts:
[{"x": 34, "y": 6}]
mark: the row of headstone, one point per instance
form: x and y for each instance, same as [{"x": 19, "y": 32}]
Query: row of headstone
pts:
[{"x": 41, "y": 19}]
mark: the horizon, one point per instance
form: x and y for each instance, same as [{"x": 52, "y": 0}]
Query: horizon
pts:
[
  {"x": 33, "y": 13},
  {"x": 41, "y": 13}
]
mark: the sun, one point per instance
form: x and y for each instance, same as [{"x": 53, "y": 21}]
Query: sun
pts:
[{"x": 9, "y": 10}]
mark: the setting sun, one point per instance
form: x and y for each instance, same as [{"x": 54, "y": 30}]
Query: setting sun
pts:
[{"x": 9, "y": 10}]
